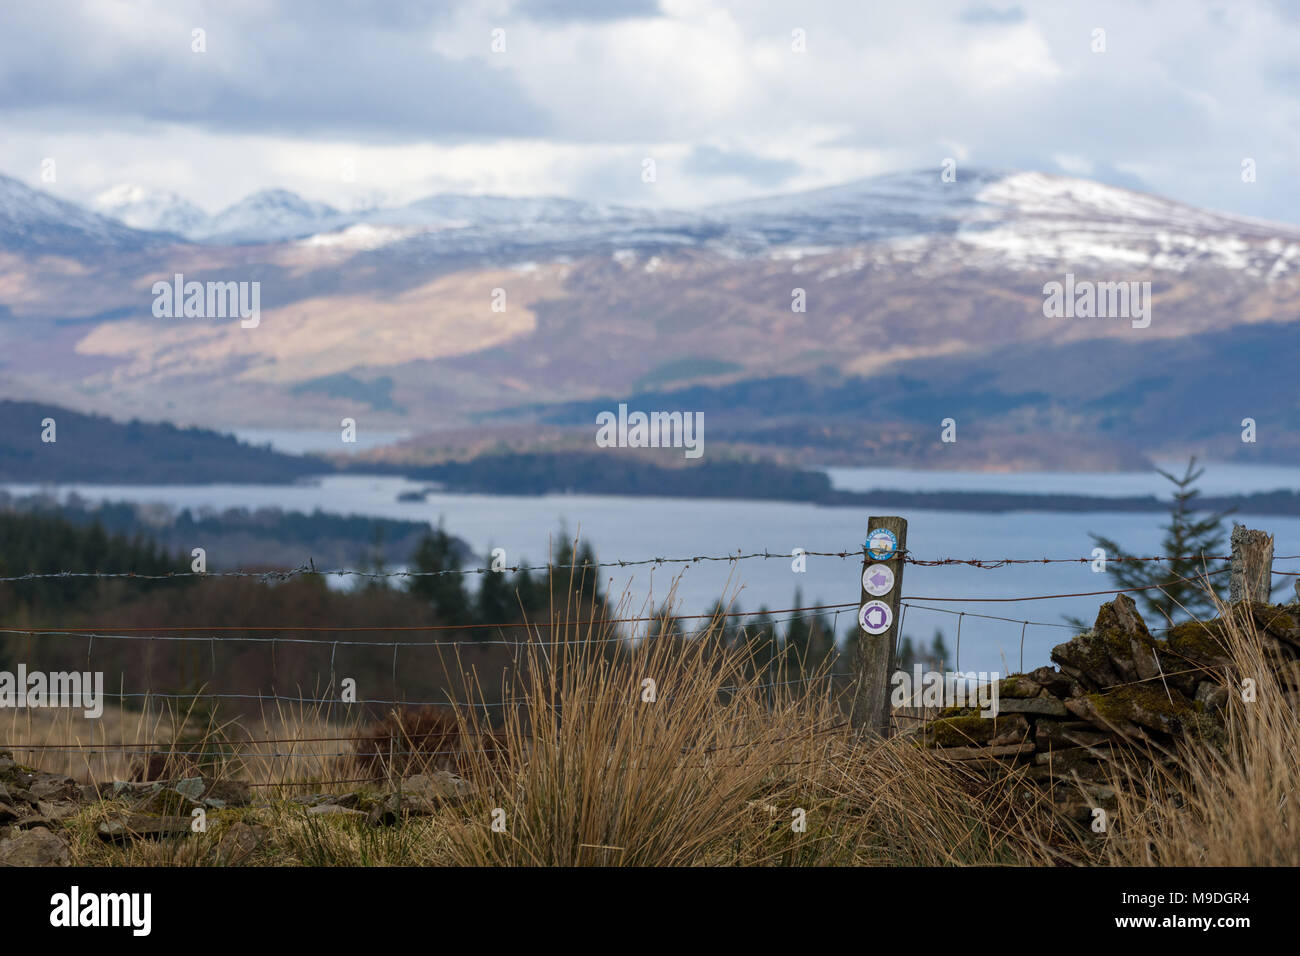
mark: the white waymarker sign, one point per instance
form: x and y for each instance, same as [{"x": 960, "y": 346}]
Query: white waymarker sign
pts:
[
  {"x": 875, "y": 617},
  {"x": 878, "y": 580}
]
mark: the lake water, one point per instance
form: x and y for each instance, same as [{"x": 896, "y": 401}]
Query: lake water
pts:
[
  {"x": 634, "y": 528},
  {"x": 1219, "y": 479}
]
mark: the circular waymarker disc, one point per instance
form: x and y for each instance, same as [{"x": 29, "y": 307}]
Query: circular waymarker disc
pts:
[
  {"x": 878, "y": 580},
  {"x": 875, "y": 617},
  {"x": 882, "y": 543}
]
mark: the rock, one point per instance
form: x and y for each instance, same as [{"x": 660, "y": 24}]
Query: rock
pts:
[
  {"x": 1018, "y": 685},
  {"x": 1087, "y": 660},
  {"x": 1118, "y": 649},
  {"x": 227, "y": 793},
  {"x": 332, "y": 810},
  {"x": 348, "y": 801},
  {"x": 139, "y": 825},
  {"x": 985, "y": 753},
  {"x": 1282, "y": 623},
  {"x": 1066, "y": 759},
  {"x": 1051, "y": 735},
  {"x": 1196, "y": 643},
  {"x": 965, "y": 729},
  {"x": 238, "y": 842},
  {"x": 1210, "y": 695},
  {"x": 191, "y": 787},
  {"x": 185, "y": 795},
  {"x": 58, "y": 809},
  {"x": 1122, "y": 615},
  {"x": 422, "y": 795},
  {"x": 35, "y": 820},
  {"x": 439, "y": 785},
  {"x": 34, "y": 847},
  {"x": 166, "y": 802},
  {"x": 1099, "y": 793},
  {"x": 49, "y": 786},
  {"x": 132, "y": 789},
  {"x": 1125, "y": 709},
  {"x": 1041, "y": 706},
  {"x": 8, "y": 813},
  {"x": 1012, "y": 730},
  {"x": 1055, "y": 683}
]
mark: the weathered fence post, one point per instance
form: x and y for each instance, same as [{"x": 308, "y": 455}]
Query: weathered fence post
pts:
[
  {"x": 1251, "y": 575},
  {"x": 882, "y": 590}
]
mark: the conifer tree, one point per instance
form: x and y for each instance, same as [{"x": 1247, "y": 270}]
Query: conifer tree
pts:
[{"x": 1179, "y": 581}]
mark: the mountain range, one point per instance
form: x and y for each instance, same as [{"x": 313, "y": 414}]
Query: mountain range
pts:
[{"x": 838, "y": 325}]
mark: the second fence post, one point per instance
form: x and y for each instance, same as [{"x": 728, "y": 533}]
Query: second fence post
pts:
[
  {"x": 882, "y": 591},
  {"x": 1251, "y": 574}
]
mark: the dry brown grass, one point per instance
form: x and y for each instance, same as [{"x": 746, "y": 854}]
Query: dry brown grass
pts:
[
  {"x": 720, "y": 768},
  {"x": 171, "y": 738},
  {"x": 723, "y": 766}
]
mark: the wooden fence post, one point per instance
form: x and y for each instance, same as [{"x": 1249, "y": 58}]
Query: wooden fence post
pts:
[
  {"x": 882, "y": 590},
  {"x": 1251, "y": 575}
]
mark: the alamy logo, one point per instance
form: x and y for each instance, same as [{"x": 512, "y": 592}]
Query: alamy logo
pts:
[
  {"x": 210, "y": 300},
  {"x": 1098, "y": 300},
  {"x": 75, "y": 908},
  {"x": 948, "y": 689},
  {"x": 655, "y": 430},
  {"x": 58, "y": 689}
]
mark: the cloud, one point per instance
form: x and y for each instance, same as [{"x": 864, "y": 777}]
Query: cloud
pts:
[
  {"x": 586, "y": 9},
  {"x": 982, "y": 13},
  {"x": 344, "y": 74},
  {"x": 585, "y": 89}
]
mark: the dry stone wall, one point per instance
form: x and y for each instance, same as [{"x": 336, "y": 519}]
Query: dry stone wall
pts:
[{"x": 1115, "y": 688}]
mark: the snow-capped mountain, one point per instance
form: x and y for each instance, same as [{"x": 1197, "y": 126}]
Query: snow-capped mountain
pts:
[
  {"x": 272, "y": 215},
  {"x": 1007, "y": 219},
  {"x": 34, "y": 221},
  {"x": 986, "y": 219},
  {"x": 900, "y": 269},
  {"x": 468, "y": 222},
  {"x": 160, "y": 211}
]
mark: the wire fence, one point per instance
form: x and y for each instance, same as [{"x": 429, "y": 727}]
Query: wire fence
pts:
[{"x": 536, "y": 635}]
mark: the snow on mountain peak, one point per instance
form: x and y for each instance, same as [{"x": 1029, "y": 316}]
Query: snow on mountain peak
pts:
[
  {"x": 33, "y": 219},
  {"x": 142, "y": 208},
  {"x": 273, "y": 214}
]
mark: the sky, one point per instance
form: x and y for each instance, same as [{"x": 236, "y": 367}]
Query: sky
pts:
[{"x": 353, "y": 102}]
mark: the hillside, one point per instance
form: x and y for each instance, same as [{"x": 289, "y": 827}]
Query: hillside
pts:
[
  {"x": 94, "y": 448},
  {"x": 918, "y": 299}
]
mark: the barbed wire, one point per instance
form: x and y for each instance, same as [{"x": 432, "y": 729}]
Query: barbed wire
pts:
[
  {"x": 348, "y": 572},
  {"x": 249, "y": 750},
  {"x": 95, "y": 631},
  {"x": 766, "y": 554}
]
